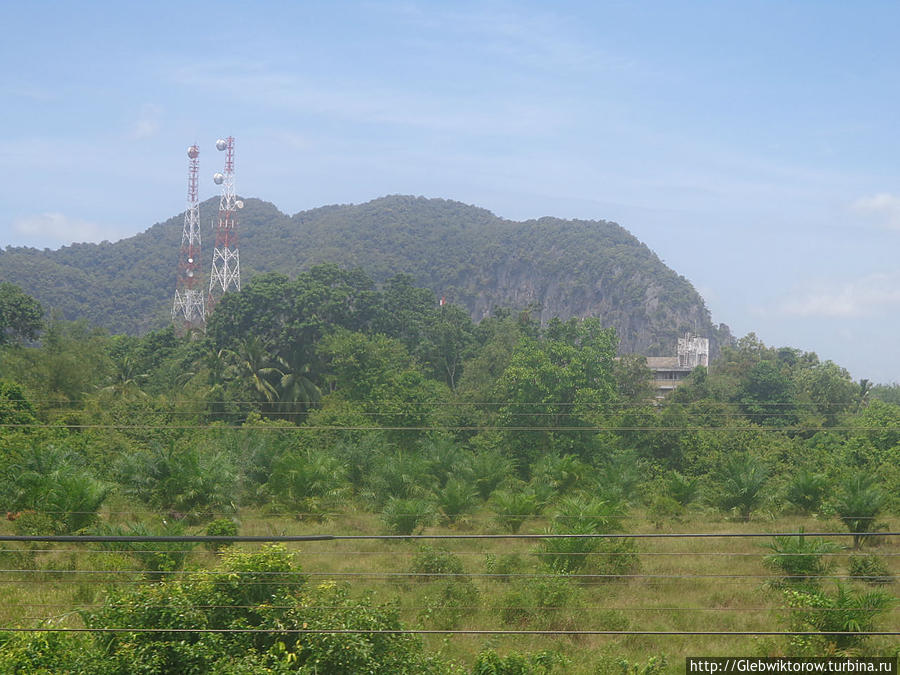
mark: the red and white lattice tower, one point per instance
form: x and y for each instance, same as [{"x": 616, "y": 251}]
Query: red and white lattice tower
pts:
[
  {"x": 226, "y": 264},
  {"x": 188, "y": 311}
]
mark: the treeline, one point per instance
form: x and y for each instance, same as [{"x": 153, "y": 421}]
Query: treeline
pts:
[{"x": 372, "y": 385}]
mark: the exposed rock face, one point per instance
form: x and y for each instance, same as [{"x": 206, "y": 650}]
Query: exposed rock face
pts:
[{"x": 550, "y": 267}]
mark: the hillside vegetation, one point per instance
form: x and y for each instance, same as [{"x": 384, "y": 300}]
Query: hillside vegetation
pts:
[{"x": 555, "y": 268}]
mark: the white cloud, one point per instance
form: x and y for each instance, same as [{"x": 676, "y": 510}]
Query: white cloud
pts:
[
  {"x": 148, "y": 122},
  {"x": 57, "y": 228},
  {"x": 867, "y": 296},
  {"x": 882, "y": 207}
]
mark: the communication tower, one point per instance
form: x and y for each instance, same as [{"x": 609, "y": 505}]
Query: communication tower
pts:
[
  {"x": 188, "y": 311},
  {"x": 226, "y": 264}
]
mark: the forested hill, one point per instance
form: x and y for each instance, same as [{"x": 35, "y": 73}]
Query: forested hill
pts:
[{"x": 477, "y": 260}]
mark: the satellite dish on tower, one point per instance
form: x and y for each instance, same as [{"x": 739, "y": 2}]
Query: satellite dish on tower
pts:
[
  {"x": 218, "y": 178},
  {"x": 239, "y": 203},
  {"x": 221, "y": 145},
  {"x": 193, "y": 152}
]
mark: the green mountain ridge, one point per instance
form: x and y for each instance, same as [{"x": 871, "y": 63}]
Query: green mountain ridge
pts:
[{"x": 549, "y": 266}]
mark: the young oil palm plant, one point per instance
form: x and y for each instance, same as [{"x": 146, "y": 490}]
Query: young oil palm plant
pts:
[{"x": 859, "y": 504}]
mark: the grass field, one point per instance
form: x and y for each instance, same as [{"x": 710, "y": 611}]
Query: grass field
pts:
[{"x": 678, "y": 584}]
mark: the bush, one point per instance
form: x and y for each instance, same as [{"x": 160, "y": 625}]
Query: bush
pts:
[
  {"x": 615, "y": 557},
  {"x": 33, "y": 524},
  {"x": 400, "y": 476},
  {"x": 456, "y": 498},
  {"x": 49, "y": 480},
  {"x": 844, "y": 611},
  {"x": 407, "y": 516},
  {"x": 186, "y": 479},
  {"x": 663, "y": 509},
  {"x": 579, "y": 516},
  {"x": 430, "y": 560},
  {"x": 489, "y": 662},
  {"x": 806, "y": 491},
  {"x": 512, "y": 509},
  {"x": 800, "y": 558},
  {"x": 858, "y": 505},
  {"x": 503, "y": 565},
  {"x": 546, "y": 603},
  {"x": 741, "y": 482},
  {"x": 456, "y": 599},
  {"x": 302, "y": 481},
  {"x": 222, "y": 527},
  {"x": 47, "y": 653},
  {"x": 488, "y": 469},
  {"x": 682, "y": 489},
  {"x": 158, "y": 558},
  {"x": 871, "y": 569}
]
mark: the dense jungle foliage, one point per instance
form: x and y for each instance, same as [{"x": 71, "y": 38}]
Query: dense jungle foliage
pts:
[
  {"x": 478, "y": 261},
  {"x": 326, "y": 402}
]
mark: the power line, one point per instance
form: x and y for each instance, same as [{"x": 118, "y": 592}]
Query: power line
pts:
[
  {"x": 575, "y": 608},
  {"x": 411, "y": 554},
  {"x": 92, "y": 538},
  {"x": 447, "y": 427},
  {"x": 416, "y": 631},
  {"x": 440, "y": 575}
]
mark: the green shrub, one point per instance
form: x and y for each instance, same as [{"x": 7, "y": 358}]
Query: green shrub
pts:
[
  {"x": 34, "y": 524},
  {"x": 800, "y": 558},
  {"x": 503, "y": 565},
  {"x": 844, "y": 611},
  {"x": 407, "y": 516},
  {"x": 47, "y": 653},
  {"x": 488, "y": 470},
  {"x": 562, "y": 472},
  {"x": 51, "y": 480},
  {"x": 682, "y": 489},
  {"x": 806, "y": 491},
  {"x": 614, "y": 557},
  {"x": 430, "y": 560},
  {"x": 858, "y": 505},
  {"x": 741, "y": 482},
  {"x": 185, "y": 479},
  {"x": 619, "y": 666},
  {"x": 871, "y": 569},
  {"x": 545, "y": 603},
  {"x": 664, "y": 509},
  {"x": 569, "y": 555},
  {"x": 457, "y": 498},
  {"x": 489, "y": 662},
  {"x": 158, "y": 558},
  {"x": 456, "y": 599},
  {"x": 304, "y": 481},
  {"x": 582, "y": 517},
  {"x": 512, "y": 509},
  {"x": 221, "y": 527}
]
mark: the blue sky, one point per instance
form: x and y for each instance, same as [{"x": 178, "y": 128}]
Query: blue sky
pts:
[{"x": 754, "y": 146}]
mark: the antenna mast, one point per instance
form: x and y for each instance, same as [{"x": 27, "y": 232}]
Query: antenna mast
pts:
[
  {"x": 226, "y": 265},
  {"x": 188, "y": 311}
]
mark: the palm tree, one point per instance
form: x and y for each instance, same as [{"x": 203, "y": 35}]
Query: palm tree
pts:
[
  {"x": 219, "y": 366},
  {"x": 256, "y": 366},
  {"x": 865, "y": 386},
  {"x": 126, "y": 379},
  {"x": 296, "y": 391}
]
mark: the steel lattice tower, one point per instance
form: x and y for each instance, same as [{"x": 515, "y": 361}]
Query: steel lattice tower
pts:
[
  {"x": 226, "y": 264},
  {"x": 188, "y": 311}
]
